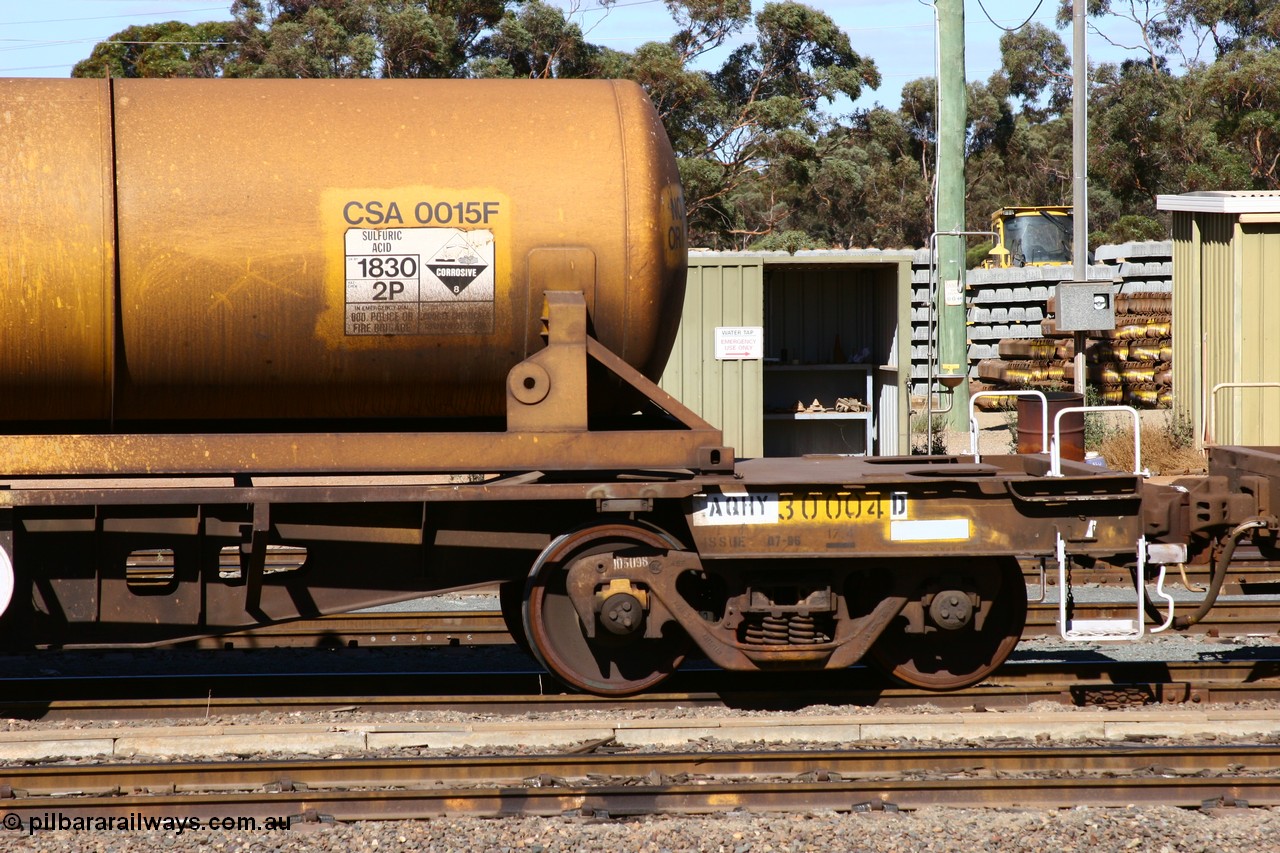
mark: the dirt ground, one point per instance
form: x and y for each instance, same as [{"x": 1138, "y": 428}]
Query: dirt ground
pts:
[{"x": 995, "y": 435}]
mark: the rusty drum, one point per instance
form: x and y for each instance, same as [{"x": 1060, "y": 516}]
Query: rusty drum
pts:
[{"x": 1072, "y": 428}]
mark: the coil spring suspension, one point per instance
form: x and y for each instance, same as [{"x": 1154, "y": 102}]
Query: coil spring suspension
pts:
[
  {"x": 802, "y": 630},
  {"x": 767, "y": 630},
  {"x": 796, "y": 629}
]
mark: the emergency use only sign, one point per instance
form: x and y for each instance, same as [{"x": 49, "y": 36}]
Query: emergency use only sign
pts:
[
  {"x": 419, "y": 281},
  {"x": 739, "y": 343}
]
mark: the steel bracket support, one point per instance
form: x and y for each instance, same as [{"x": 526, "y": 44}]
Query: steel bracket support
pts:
[
  {"x": 547, "y": 392},
  {"x": 255, "y": 556}
]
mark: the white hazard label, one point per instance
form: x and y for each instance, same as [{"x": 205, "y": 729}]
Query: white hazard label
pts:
[{"x": 419, "y": 281}]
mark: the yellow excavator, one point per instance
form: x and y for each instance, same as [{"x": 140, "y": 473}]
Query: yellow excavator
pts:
[{"x": 1030, "y": 237}]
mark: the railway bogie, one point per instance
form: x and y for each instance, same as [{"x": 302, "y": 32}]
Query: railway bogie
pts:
[{"x": 522, "y": 443}]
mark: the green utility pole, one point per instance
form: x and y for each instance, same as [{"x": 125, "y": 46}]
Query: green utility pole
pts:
[
  {"x": 953, "y": 338},
  {"x": 1079, "y": 170}
]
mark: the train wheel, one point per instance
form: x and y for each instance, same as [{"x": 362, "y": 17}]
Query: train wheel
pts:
[
  {"x": 607, "y": 664},
  {"x": 952, "y": 659}
]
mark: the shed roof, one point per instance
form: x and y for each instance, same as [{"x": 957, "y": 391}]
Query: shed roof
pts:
[
  {"x": 1222, "y": 201},
  {"x": 808, "y": 256}
]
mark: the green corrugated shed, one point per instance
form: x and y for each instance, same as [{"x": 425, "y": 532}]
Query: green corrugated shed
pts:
[
  {"x": 819, "y": 311},
  {"x": 1226, "y": 308},
  {"x": 721, "y": 291}
]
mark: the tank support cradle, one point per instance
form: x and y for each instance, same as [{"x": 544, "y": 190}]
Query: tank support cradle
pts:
[{"x": 546, "y": 431}]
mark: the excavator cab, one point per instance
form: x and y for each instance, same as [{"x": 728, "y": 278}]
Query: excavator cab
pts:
[{"x": 1030, "y": 237}]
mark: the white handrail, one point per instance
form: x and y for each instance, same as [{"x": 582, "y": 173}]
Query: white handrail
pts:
[
  {"x": 1168, "y": 619},
  {"x": 1055, "y": 447},
  {"x": 1212, "y": 422},
  {"x": 973, "y": 417}
]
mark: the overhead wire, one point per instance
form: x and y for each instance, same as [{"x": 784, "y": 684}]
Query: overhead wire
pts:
[
  {"x": 109, "y": 17},
  {"x": 1034, "y": 12}
]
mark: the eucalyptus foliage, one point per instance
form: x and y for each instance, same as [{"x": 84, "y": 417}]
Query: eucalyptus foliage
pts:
[{"x": 766, "y": 154}]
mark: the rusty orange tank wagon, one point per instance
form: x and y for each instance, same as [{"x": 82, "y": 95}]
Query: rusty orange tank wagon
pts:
[{"x": 278, "y": 349}]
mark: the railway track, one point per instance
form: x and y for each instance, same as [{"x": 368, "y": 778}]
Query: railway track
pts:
[
  {"x": 486, "y": 627},
  {"x": 1249, "y": 574},
  {"x": 304, "y": 679},
  {"x": 1016, "y": 686},
  {"x": 514, "y": 684},
  {"x": 626, "y": 783}
]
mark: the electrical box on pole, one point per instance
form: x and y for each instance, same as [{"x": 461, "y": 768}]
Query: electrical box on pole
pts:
[{"x": 1085, "y": 306}]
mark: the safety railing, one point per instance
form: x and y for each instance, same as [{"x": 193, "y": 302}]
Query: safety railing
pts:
[
  {"x": 973, "y": 417},
  {"x": 1055, "y": 446},
  {"x": 1212, "y": 422}
]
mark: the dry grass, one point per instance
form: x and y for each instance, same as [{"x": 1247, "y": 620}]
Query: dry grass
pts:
[{"x": 1166, "y": 449}]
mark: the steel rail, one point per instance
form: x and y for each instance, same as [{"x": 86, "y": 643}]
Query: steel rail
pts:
[
  {"x": 1014, "y": 686},
  {"x": 630, "y": 784},
  {"x": 1245, "y": 576},
  {"x": 1226, "y": 619},
  {"x": 426, "y": 628},
  {"x": 482, "y": 628}
]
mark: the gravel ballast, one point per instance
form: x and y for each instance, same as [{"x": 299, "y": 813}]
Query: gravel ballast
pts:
[{"x": 1150, "y": 830}]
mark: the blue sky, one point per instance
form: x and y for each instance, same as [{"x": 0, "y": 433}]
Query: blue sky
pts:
[{"x": 47, "y": 39}]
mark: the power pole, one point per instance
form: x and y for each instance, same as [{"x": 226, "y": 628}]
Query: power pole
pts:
[
  {"x": 1079, "y": 170},
  {"x": 1081, "y": 305},
  {"x": 953, "y": 338}
]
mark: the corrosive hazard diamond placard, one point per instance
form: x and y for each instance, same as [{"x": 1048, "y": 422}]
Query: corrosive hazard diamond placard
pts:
[{"x": 456, "y": 264}]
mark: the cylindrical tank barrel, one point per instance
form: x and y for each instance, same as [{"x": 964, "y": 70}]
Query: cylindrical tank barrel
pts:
[
  {"x": 239, "y": 250},
  {"x": 1030, "y": 412}
]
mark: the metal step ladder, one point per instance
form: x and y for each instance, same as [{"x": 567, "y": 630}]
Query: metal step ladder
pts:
[
  {"x": 1093, "y": 630},
  {"x": 1106, "y": 630},
  {"x": 1109, "y": 630}
]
